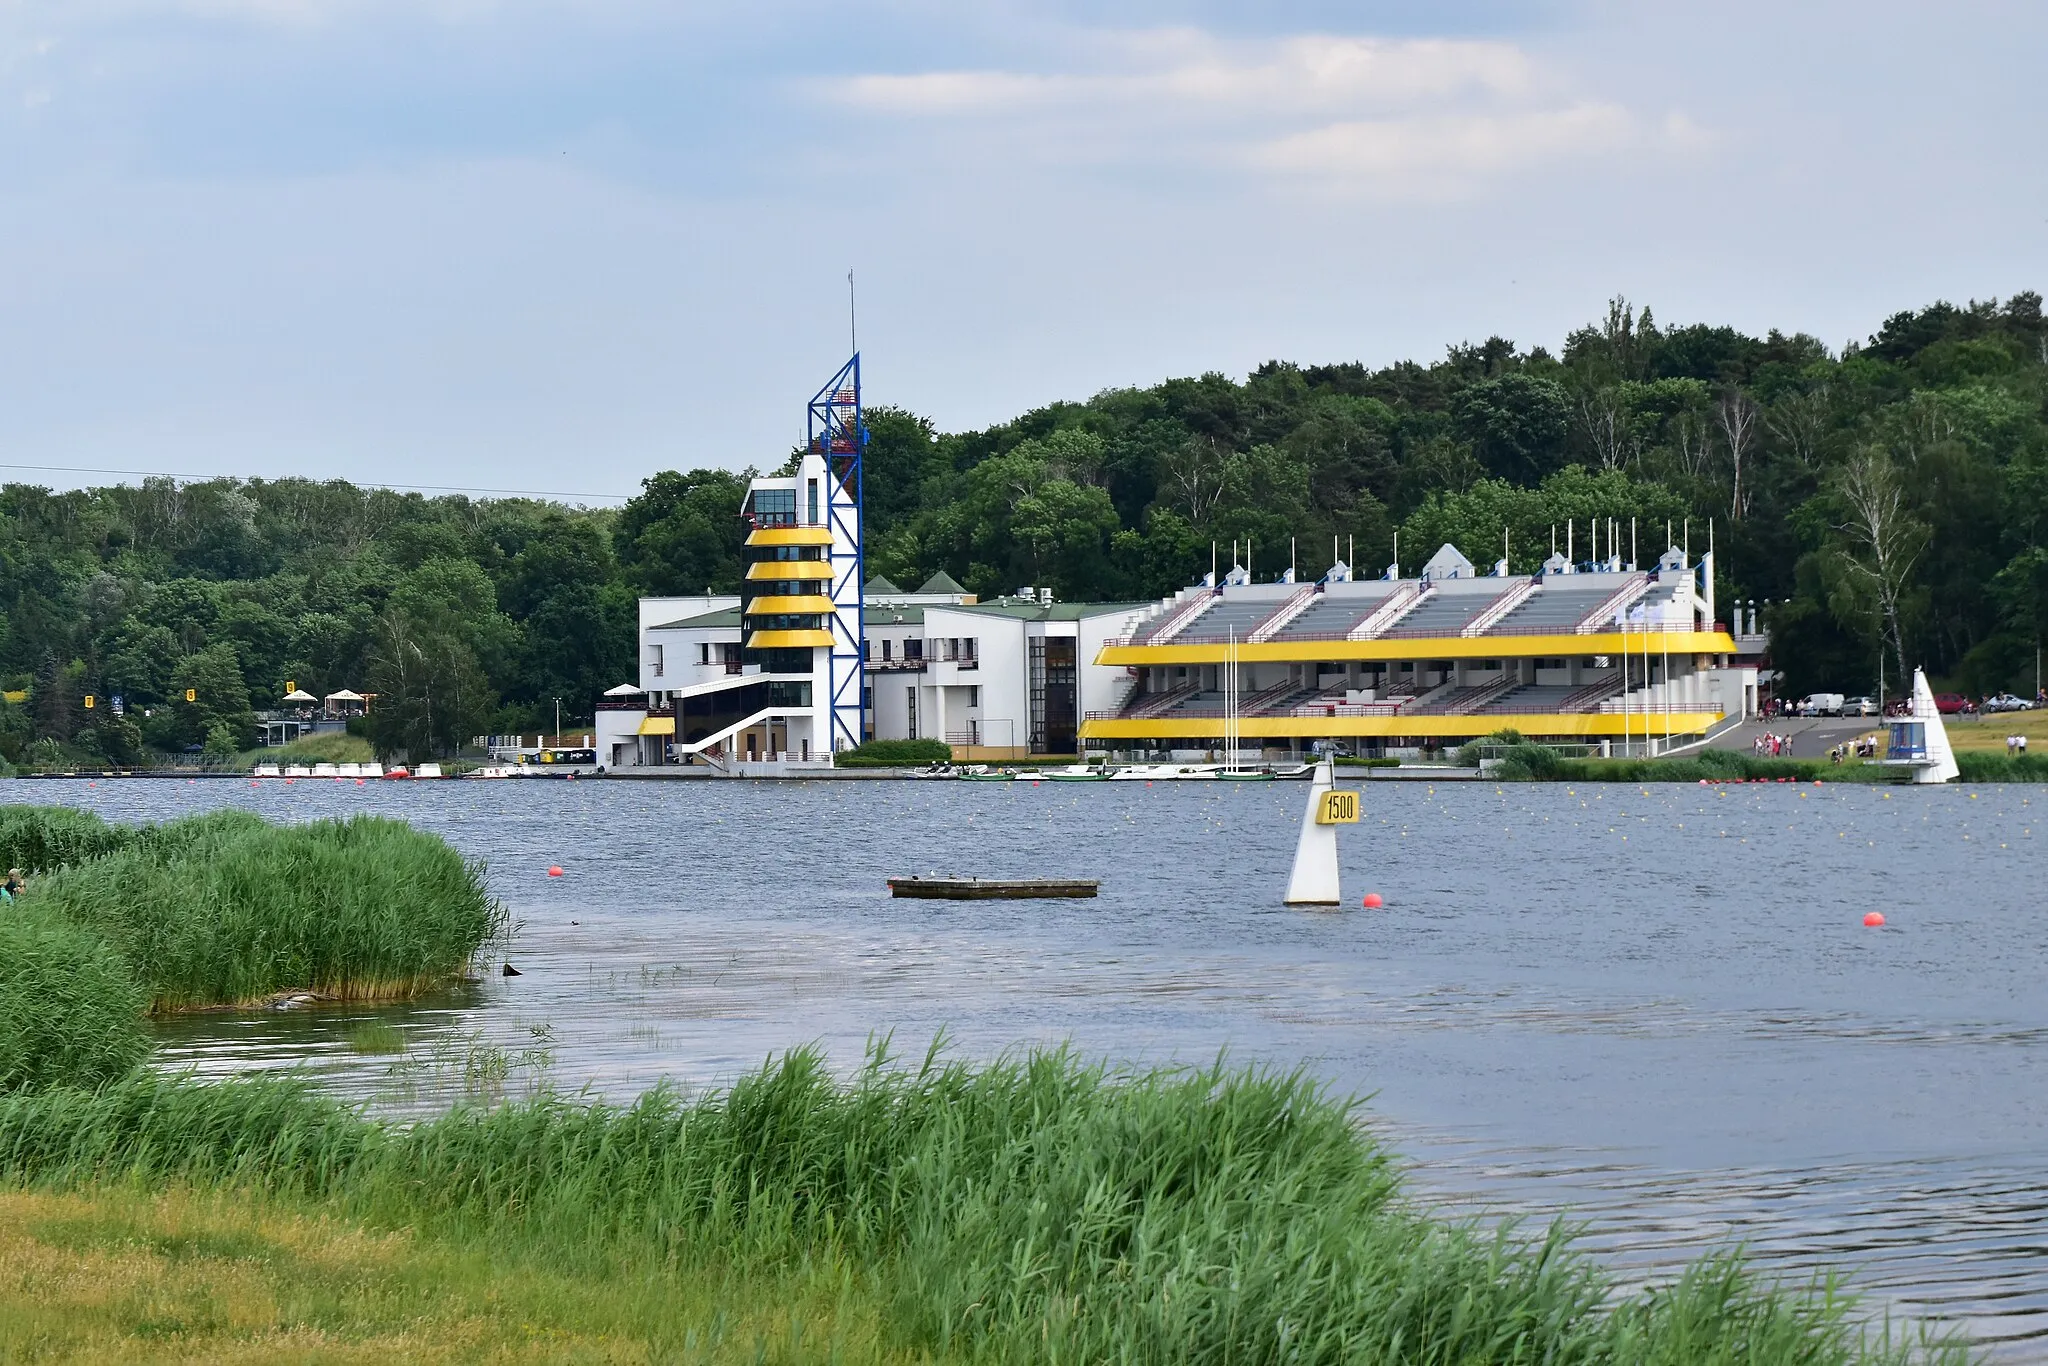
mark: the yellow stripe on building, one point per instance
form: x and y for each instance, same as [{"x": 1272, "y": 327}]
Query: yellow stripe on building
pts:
[
  {"x": 807, "y": 604},
  {"x": 658, "y": 725},
  {"x": 788, "y": 640},
  {"x": 790, "y": 535},
  {"x": 1285, "y": 651},
  {"x": 1592, "y": 724},
  {"x": 789, "y": 569}
]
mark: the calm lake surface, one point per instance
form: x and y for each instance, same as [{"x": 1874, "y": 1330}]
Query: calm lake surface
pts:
[{"x": 1653, "y": 1010}]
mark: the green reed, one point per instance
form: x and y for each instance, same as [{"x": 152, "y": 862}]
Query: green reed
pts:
[
  {"x": 70, "y": 1010},
  {"x": 39, "y": 838},
  {"x": 225, "y": 908},
  {"x": 1032, "y": 1209}
]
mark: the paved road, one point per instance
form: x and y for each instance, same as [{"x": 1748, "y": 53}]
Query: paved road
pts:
[{"x": 1812, "y": 737}]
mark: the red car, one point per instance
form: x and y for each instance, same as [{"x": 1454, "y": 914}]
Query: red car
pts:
[{"x": 1949, "y": 703}]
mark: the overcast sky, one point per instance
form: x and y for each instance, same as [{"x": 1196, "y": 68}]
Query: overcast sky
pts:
[{"x": 558, "y": 246}]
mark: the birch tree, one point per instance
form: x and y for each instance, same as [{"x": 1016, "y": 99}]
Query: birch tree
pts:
[
  {"x": 1736, "y": 416},
  {"x": 1883, "y": 540}
]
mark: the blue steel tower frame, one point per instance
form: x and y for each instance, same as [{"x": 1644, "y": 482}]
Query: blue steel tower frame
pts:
[{"x": 837, "y": 433}]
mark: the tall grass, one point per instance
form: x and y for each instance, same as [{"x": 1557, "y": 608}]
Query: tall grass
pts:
[
  {"x": 70, "y": 1010},
  {"x": 1528, "y": 762},
  {"x": 1035, "y": 1209},
  {"x": 39, "y": 838},
  {"x": 225, "y": 909}
]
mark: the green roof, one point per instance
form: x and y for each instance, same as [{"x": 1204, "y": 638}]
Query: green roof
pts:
[
  {"x": 884, "y": 614},
  {"x": 941, "y": 582},
  {"x": 729, "y": 616},
  {"x": 878, "y": 584}
]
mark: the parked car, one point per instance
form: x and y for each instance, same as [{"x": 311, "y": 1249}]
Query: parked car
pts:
[
  {"x": 1859, "y": 706},
  {"x": 1949, "y": 703},
  {"x": 2005, "y": 701},
  {"x": 1822, "y": 704}
]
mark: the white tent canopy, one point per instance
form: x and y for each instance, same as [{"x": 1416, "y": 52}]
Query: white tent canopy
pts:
[
  {"x": 300, "y": 695},
  {"x": 625, "y": 690},
  {"x": 344, "y": 696}
]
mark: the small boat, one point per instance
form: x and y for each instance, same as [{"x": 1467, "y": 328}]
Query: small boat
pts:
[
  {"x": 265, "y": 771},
  {"x": 1078, "y": 773},
  {"x": 991, "y": 889},
  {"x": 982, "y": 773},
  {"x": 427, "y": 771},
  {"x": 1246, "y": 775}
]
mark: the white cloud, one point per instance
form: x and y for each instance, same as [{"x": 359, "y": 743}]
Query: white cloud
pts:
[
  {"x": 1474, "y": 144},
  {"x": 1294, "y": 75},
  {"x": 1383, "y": 116}
]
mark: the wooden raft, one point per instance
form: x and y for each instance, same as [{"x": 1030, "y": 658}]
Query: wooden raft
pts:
[{"x": 990, "y": 889}]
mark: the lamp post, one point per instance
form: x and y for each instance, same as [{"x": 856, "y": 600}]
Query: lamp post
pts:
[{"x": 558, "y": 720}]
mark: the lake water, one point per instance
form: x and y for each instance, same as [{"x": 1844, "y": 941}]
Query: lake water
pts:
[{"x": 1655, "y": 1010}]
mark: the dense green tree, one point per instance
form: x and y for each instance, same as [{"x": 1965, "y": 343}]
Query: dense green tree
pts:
[
  {"x": 475, "y": 613},
  {"x": 683, "y": 534}
]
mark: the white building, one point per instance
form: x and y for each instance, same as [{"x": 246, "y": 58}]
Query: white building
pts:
[{"x": 996, "y": 680}]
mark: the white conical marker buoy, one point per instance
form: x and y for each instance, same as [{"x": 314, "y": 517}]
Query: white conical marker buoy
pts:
[
  {"x": 1314, "y": 880},
  {"x": 1940, "y": 765}
]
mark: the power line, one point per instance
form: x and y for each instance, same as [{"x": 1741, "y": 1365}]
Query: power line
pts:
[{"x": 404, "y": 488}]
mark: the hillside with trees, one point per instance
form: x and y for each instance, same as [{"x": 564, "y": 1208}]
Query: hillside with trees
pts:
[{"x": 1887, "y": 498}]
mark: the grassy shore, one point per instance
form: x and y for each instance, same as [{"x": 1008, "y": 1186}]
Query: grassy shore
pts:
[
  {"x": 226, "y": 909},
  {"x": 1538, "y": 763},
  {"x": 1031, "y": 1210},
  {"x": 117, "y": 1273}
]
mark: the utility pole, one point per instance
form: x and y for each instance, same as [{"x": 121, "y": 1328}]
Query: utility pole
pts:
[{"x": 558, "y": 720}]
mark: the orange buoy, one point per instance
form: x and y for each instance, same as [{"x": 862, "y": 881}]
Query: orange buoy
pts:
[
  {"x": 1874, "y": 919},
  {"x": 555, "y": 870},
  {"x": 1372, "y": 901}
]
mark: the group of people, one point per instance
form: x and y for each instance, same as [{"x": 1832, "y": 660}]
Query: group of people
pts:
[
  {"x": 1862, "y": 747},
  {"x": 2015, "y": 745},
  {"x": 12, "y": 888},
  {"x": 1770, "y": 745}
]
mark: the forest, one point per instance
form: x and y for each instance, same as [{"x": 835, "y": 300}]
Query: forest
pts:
[{"x": 1888, "y": 501}]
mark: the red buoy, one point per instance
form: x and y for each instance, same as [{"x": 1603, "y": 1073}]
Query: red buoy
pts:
[
  {"x": 1874, "y": 919},
  {"x": 1372, "y": 901},
  {"x": 555, "y": 870}
]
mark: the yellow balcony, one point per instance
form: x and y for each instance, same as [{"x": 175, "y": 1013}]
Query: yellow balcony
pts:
[
  {"x": 789, "y": 569},
  {"x": 809, "y": 604},
  {"x": 788, "y": 640},
  {"x": 790, "y": 535}
]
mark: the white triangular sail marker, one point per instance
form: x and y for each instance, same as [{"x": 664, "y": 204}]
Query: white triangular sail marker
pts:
[
  {"x": 1941, "y": 760},
  {"x": 1314, "y": 880}
]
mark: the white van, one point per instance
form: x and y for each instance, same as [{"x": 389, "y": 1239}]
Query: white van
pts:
[{"x": 1822, "y": 704}]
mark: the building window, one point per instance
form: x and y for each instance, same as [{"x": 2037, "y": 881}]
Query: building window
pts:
[
  {"x": 913, "y": 649},
  {"x": 863, "y": 650},
  {"x": 814, "y": 502},
  {"x": 656, "y": 660},
  {"x": 910, "y": 702},
  {"x": 867, "y": 699},
  {"x": 974, "y": 697},
  {"x": 887, "y": 645},
  {"x": 703, "y": 652},
  {"x": 1054, "y": 682},
  {"x": 774, "y": 507}
]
